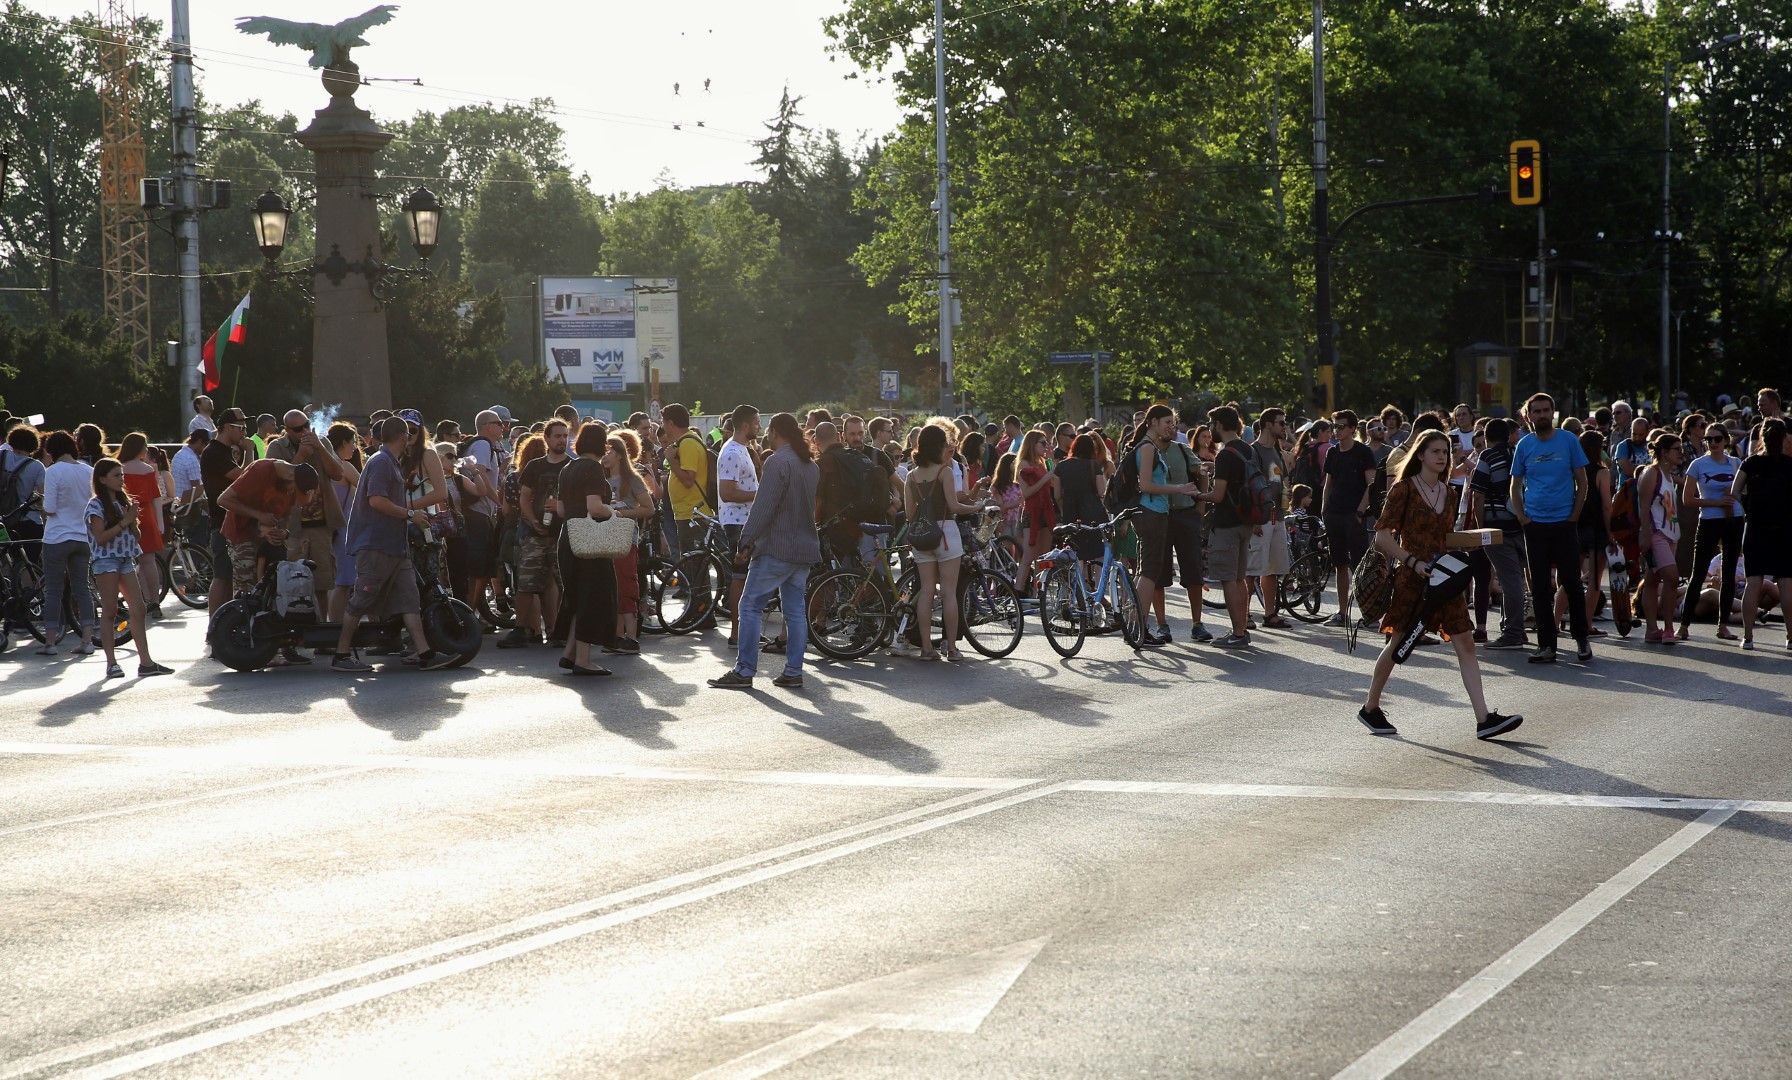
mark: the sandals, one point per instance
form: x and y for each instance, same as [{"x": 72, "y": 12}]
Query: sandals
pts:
[
  {"x": 953, "y": 656},
  {"x": 113, "y": 671}
]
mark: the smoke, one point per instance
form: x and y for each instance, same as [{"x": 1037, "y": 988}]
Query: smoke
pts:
[{"x": 321, "y": 419}]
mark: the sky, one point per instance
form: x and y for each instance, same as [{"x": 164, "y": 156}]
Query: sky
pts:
[{"x": 622, "y": 74}]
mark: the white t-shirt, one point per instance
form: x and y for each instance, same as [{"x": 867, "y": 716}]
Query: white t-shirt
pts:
[
  {"x": 203, "y": 423},
  {"x": 735, "y": 463},
  {"x": 68, "y": 487}
]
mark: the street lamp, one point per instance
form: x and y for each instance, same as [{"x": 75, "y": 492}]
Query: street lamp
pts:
[
  {"x": 423, "y": 219},
  {"x": 1666, "y": 234},
  {"x": 271, "y": 215},
  {"x": 424, "y": 213}
]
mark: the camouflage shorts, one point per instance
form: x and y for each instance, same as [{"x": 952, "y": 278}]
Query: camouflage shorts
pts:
[
  {"x": 536, "y": 567},
  {"x": 242, "y": 566}
]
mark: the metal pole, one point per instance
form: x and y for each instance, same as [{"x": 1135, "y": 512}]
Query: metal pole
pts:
[
  {"x": 52, "y": 210},
  {"x": 186, "y": 195},
  {"x": 1097, "y": 413},
  {"x": 943, "y": 208},
  {"x": 1322, "y": 253},
  {"x": 1667, "y": 150},
  {"x": 1542, "y": 308}
]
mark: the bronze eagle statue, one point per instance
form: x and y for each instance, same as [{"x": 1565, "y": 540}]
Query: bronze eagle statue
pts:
[{"x": 329, "y": 45}]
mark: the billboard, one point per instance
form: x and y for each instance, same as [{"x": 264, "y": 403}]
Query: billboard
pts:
[{"x": 606, "y": 333}]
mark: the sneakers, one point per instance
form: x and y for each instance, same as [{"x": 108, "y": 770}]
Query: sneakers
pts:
[
  {"x": 1480, "y": 635},
  {"x": 517, "y": 639},
  {"x": 789, "y": 682},
  {"x": 1583, "y": 652},
  {"x": 1233, "y": 641},
  {"x": 903, "y": 649},
  {"x": 436, "y": 660},
  {"x": 1200, "y": 635},
  {"x": 1543, "y": 656},
  {"x": 351, "y": 663},
  {"x": 1376, "y": 721},
  {"x": 1495, "y": 724},
  {"x": 1339, "y": 619},
  {"x": 1509, "y": 641},
  {"x": 1748, "y": 644},
  {"x": 294, "y": 657},
  {"x": 733, "y": 680},
  {"x": 144, "y": 671}
]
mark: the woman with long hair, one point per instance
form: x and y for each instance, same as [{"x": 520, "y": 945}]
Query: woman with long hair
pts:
[
  {"x": 90, "y": 443},
  {"x": 1039, "y": 492},
  {"x": 972, "y": 453},
  {"x": 143, "y": 484},
  {"x": 1081, "y": 489},
  {"x": 588, "y": 586},
  {"x": 1720, "y": 523},
  {"x": 1658, "y": 535},
  {"x": 1306, "y": 454},
  {"x": 424, "y": 479},
  {"x": 1201, "y": 443},
  {"x": 1763, "y": 485},
  {"x": 1595, "y": 528},
  {"x": 930, "y": 491},
  {"x": 632, "y": 497},
  {"x": 1004, "y": 488},
  {"x": 113, "y": 525},
  {"x": 1416, "y": 519},
  {"x": 345, "y": 441}
]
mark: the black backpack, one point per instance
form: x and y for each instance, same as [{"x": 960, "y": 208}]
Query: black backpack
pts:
[
  {"x": 1123, "y": 489},
  {"x": 708, "y": 482},
  {"x": 861, "y": 486},
  {"x": 11, "y": 497},
  {"x": 1254, "y": 502}
]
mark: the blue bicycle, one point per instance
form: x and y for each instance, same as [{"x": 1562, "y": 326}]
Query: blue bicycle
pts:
[{"x": 1070, "y": 609}]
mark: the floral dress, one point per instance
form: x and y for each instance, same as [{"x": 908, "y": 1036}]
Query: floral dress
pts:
[{"x": 1421, "y": 531}]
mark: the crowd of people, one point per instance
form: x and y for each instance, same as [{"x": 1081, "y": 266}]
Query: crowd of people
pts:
[{"x": 1691, "y": 515}]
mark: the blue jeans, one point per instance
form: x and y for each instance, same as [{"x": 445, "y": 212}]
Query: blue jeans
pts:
[
  {"x": 790, "y": 581},
  {"x": 65, "y": 569}
]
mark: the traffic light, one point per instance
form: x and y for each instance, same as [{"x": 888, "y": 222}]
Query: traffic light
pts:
[{"x": 1529, "y": 185}]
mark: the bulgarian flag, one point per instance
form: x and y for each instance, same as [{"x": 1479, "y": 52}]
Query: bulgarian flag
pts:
[{"x": 233, "y": 332}]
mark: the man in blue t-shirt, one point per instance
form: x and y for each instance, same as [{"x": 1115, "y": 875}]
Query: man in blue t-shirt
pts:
[
  {"x": 1630, "y": 454},
  {"x": 1549, "y": 484}
]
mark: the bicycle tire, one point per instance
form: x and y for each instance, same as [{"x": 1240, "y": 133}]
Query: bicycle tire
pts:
[
  {"x": 493, "y": 608},
  {"x": 188, "y": 571},
  {"x": 989, "y": 612},
  {"x": 849, "y": 614},
  {"x": 653, "y": 573},
  {"x": 1065, "y": 625},
  {"x": 1303, "y": 586},
  {"x": 695, "y": 576},
  {"x": 908, "y": 590},
  {"x": 1124, "y": 597}
]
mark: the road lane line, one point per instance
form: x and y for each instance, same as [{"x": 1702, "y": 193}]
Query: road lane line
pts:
[
  {"x": 1486, "y": 798},
  {"x": 1400, "y": 1047},
  {"x": 210, "y": 1014},
  {"x": 786, "y": 1051},
  {"x": 185, "y": 800},
  {"x": 423, "y": 976}
]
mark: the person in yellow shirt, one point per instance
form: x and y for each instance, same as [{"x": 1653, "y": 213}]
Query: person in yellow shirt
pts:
[{"x": 687, "y": 473}]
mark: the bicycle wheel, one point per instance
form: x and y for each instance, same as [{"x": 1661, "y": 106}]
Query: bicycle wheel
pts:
[
  {"x": 1123, "y": 600},
  {"x": 189, "y": 574},
  {"x": 989, "y": 611},
  {"x": 497, "y": 608},
  {"x": 1303, "y": 586},
  {"x": 906, "y": 607},
  {"x": 1061, "y": 612},
  {"x": 849, "y": 614},
  {"x": 691, "y": 592},
  {"x": 654, "y": 573}
]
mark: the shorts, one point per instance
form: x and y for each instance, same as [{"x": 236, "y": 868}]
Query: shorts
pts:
[
  {"x": 1170, "y": 537},
  {"x": 1349, "y": 540},
  {"x": 1592, "y": 538},
  {"x": 951, "y": 545},
  {"x": 317, "y": 544},
  {"x": 220, "y": 549},
  {"x": 536, "y": 568},
  {"x": 1666, "y": 551},
  {"x": 482, "y": 545},
  {"x": 1228, "y": 552},
  {"x": 345, "y": 566},
  {"x": 242, "y": 566},
  {"x": 732, "y": 532},
  {"x": 114, "y": 564},
  {"x": 385, "y": 586},
  {"x": 1269, "y": 551}
]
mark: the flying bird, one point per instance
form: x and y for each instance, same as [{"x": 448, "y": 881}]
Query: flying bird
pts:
[
  {"x": 706, "y": 86},
  {"x": 329, "y": 45},
  {"x": 674, "y": 89}
]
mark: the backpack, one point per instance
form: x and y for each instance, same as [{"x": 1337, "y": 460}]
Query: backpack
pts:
[
  {"x": 708, "y": 483},
  {"x": 1123, "y": 489},
  {"x": 295, "y": 596},
  {"x": 861, "y": 486},
  {"x": 11, "y": 498},
  {"x": 1254, "y": 502}
]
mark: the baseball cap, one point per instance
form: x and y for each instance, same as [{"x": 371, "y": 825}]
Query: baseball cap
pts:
[
  {"x": 503, "y": 413},
  {"x": 304, "y": 477},
  {"x": 233, "y": 416},
  {"x": 411, "y": 416}
]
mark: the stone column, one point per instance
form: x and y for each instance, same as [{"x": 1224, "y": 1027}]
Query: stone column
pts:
[{"x": 348, "y": 329}]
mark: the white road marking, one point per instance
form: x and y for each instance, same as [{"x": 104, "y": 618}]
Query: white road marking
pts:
[
  {"x": 1486, "y": 798},
  {"x": 1400, "y": 1047},
  {"x": 835, "y": 844},
  {"x": 786, "y": 1051},
  {"x": 185, "y": 800}
]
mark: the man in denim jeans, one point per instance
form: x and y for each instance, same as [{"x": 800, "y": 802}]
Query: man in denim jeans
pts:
[{"x": 780, "y": 538}]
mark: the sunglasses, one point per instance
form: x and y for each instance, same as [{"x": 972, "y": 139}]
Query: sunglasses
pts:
[{"x": 1717, "y": 438}]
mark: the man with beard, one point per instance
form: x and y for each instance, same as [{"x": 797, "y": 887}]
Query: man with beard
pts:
[{"x": 1549, "y": 486}]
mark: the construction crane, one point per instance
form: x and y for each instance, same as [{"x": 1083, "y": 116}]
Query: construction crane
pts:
[{"x": 124, "y": 231}]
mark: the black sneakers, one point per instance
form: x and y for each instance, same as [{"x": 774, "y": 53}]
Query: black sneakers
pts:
[
  {"x": 789, "y": 682},
  {"x": 1542, "y": 656},
  {"x": 734, "y": 680},
  {"x": 1584, "y": 652},
  {"x": 1495, "y": 724},
  {"x": 351, "y": 663},
  {"x": 1376, "y": 721}
]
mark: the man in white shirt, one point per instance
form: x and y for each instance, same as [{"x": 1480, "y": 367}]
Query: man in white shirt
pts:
[
  {"x": 202, "y": 417},
  {"x": 737, "y": 482},
  {"x": 68, "y": 487},
  {"x": 185, "y": 467}
]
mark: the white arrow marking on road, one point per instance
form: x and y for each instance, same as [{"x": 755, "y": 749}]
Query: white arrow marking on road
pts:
[{"x": 953, "y": 995}]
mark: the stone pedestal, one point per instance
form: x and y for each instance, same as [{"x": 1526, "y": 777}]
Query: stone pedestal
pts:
[{"x": 348, "y": 328}]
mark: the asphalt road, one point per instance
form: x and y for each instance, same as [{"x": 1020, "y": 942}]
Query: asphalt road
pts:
[{"x": 1191, "y": 863}]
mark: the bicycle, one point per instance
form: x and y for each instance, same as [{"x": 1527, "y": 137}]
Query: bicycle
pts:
[
  {"x": 186, "y": 567},
  {"x": 1302, "y": 588},
  {"x": 698, "y": 584},
  {"x": 1069, "y": 607}
]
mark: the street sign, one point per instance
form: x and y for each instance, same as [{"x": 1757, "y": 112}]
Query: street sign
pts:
[
  {"x": 1098, "y": 357},
  {"x": 889, "y": 385}
]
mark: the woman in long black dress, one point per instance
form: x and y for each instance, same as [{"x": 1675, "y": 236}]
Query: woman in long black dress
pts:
[
  {"x": 1418, "y": 515},
  {"x": 588, "y": 586},
  {"x": 1764, "y": 486}
]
